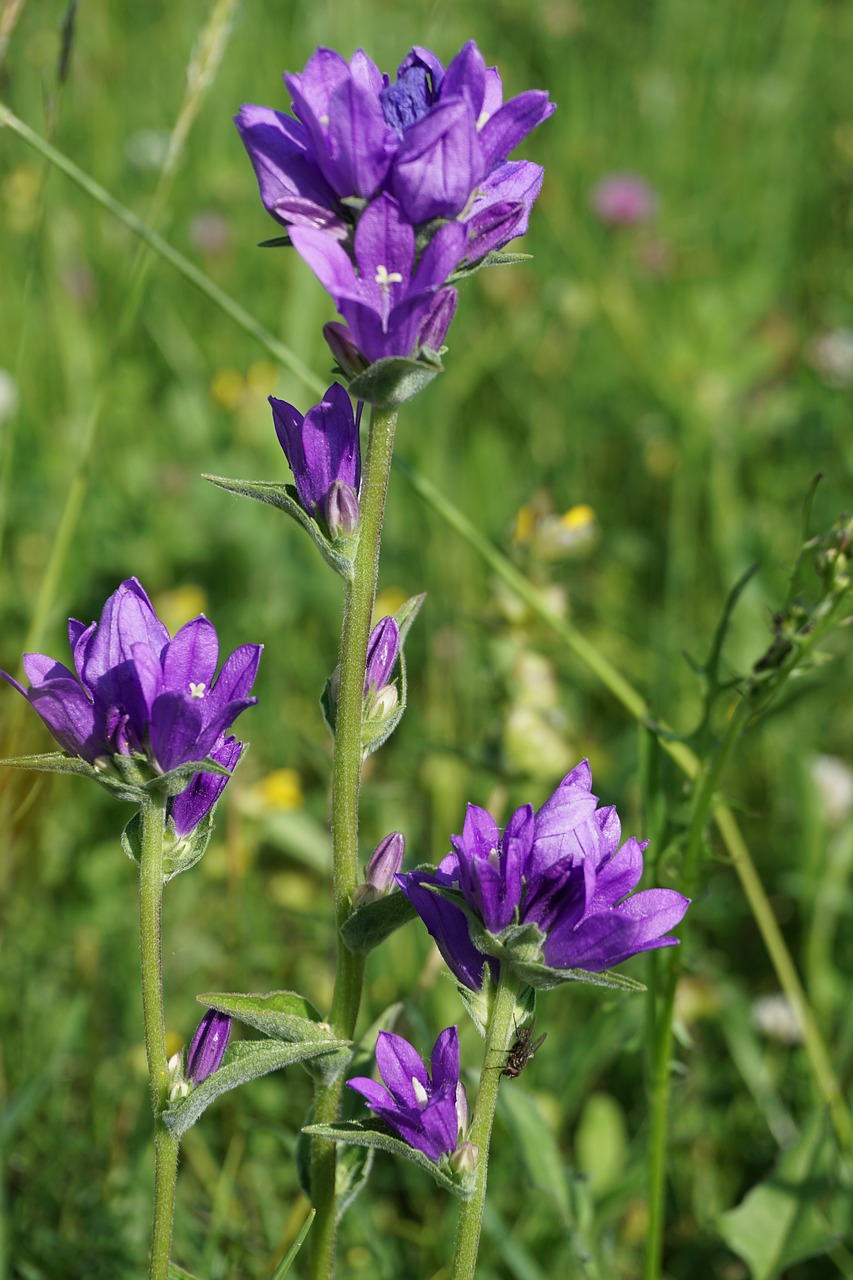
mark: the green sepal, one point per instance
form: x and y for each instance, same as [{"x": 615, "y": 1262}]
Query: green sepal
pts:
[
  {"x": 178, "y": 854},
  {"x": 542, "y": 978},
  {"x": 362, "y": 1134},
  {"x": 245, "y": 1060},
  {"x": 373, "y": 922},
  {"x": 338, "y": 554},
  {"x": 495, "y": 259},
  {"x": 287, "y": 1016},
  {"x": 53, "y": 762},
  {"x": 391, "y": 381},
  {"x": 277, "y": 242}
]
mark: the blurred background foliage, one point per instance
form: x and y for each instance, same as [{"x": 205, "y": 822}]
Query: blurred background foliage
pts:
[{"x": 635, "y": 416}]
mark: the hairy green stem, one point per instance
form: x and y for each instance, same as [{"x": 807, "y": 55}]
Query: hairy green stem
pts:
[
  {"x": 595, "y": 661},
  {"x": 150, "y": 936},
  {"x": 359, "y": 598},
  {"x": 499, "y": 1037}
]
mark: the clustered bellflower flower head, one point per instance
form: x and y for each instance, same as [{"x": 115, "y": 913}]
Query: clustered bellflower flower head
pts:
[
  {"x": 136, "y": 693},
  {"x": 370, "y": 174},
  {"x": 554, "y": 890},
  {"x": 323, "y": 450},
  {"x": 427, "y": 1110}
]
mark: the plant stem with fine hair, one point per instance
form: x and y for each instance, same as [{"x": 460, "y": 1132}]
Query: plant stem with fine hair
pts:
[{"x": 359, "y": 598}]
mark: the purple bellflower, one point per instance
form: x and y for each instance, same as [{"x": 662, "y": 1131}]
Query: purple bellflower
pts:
[
  {"x": 429, "y": 1112},
  {"x": 383, "y": 649},
  {"x": 380, "y": 876},
  {"x": 561, "y": 873},
  {"x": 324, "y": 453},
  {"x": 138, "y": 692},
  {"x": 208, "y": 1046},
  {"x": 392, "y": 306}
]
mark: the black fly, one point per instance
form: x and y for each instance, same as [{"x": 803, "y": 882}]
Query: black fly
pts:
[{"x": 522, "y": 1051}]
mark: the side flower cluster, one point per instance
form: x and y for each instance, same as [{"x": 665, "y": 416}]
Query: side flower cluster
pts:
[
  {"x": 555, "y": 890},
  {"x": 427, "y": 1110},
  {"x": 386, "y": 189},
  {"x": 137, "y": 692}
]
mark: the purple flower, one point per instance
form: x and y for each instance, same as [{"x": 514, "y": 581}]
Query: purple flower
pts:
[
  {"x": 324, "y": 453},
  {"x": 385, "y": 862},
  {"x": 192, "y": 806},
  {"x": 623, "y": 199},
  {"x": 208, "y": 1046},
  {"x": 392, "y": 306},
  {"x": 429, "y": 1113},
  {"x": 560, "y": 871},
  {"x": 431, "y": 140},
  {"x": 137, "y": 691}
]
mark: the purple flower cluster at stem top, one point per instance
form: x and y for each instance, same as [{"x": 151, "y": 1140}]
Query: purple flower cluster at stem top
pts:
[
  {"x": 428, "y": 1111},
  {"x": 136, "y": 691},
  {"x": 366, "y": 163},
  {"x": 324, "y": 452},
  {"x": 561, "y": 870}
]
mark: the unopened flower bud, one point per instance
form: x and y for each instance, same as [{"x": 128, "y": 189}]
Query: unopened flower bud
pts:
[
  {"x": 341, "y": 510},
  {"x": 385, "y": 861},
  {"x": 381, "y": 654},
  {"x": 208, "y": 1046},
  {"x": 465, "y": 1157},
  {"x": 349, "y": 358}
]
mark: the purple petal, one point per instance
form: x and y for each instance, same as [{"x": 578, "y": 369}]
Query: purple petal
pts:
[
  {"x": 328, "y": 261},
  {"x": 291, "y": 185},
  {"x": 399, "y": 1064},
  {"x": 445, "y": 1060},
  {"x": 466, "y": 76},
  {"x": 493, "y": 94},
  {"x": 176, "y": 722},
  {"x": 656, "y": 911},
  {"x": 190, "y": 659},
  {"x": 382, "y": 652},
  {"x": 439, "y": 163},
  {"x": 618, "y": 876},
  {"x": 515, "y": 851},
  {"x": 147, "y": 681},
  {"x": 39, "y": 669},
  {"x": 193, "y": 805},
  {"x": 449, "y": 928},
  {"x": 441, "y": 256},
  {"x": 360, "y": 142},
  {"x": 384, "y": 249},
  {"x": 376, "y": 1095},
  {"x": 434, "y": 327},
  {"x": 236, "y": 678},
  {"x": 68, "y": 713},
  {"x": 127, "y": 619},
  {"x": 512, "y": 122},
  {"x": 208, "y": 1046},
  {"x": 570, "y": 805},
  {"x": 480, "y": 834}
]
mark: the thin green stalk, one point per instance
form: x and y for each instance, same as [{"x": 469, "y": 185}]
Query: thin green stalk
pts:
[
  {"x": 819, "y": 1060},
  {"x": 359, "y": 598},
  {"x": 499, "y": 1038},
  {"x": 165, "y": 1146},
  {"x": 703, "y": 799}
]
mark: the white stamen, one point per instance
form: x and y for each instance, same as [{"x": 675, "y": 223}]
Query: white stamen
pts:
[
  {"x": 197, "y": 690},
  {"x": 323, "y": 120},
  {"x": 385, "y": 278},
  {"x": 420, "y": 1093}
]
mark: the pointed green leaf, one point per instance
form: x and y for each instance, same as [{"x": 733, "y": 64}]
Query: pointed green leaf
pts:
[
  {"x": 276, "y": 242},
  {"x": 287, "y": 1261},
  {"x": 495, "y": 259},
  {"x": 245, "y": 1060},
  {"x": 52, "y": 762},
  {"x": 177, "y": 780},
  {"x": 375, "y": 921},
  {"x": 392, "y": 381},
  {"x": 363, "y": 1135},
  {"x": 283, "y": 1015},
  {"x": 338, "y": 554},
  {"x": 542, "y": 978}
]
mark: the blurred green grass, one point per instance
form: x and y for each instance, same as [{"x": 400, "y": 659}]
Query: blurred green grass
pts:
[{"x": 667, "y": 376}]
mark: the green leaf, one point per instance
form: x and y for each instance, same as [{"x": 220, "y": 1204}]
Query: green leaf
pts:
[
  {"x": 178, "y": 1273},
  {"x": 362, "y": 1134},
  {"x": 801, "y": 1211},
  {"x": 338, "y": 554},
  {"x": 392, "y": 381},
  {"x": 276, "y": 242},
  {"x": 287, "y": 1261},
  {"x": 542, "y": 978},
  {"x": 375, "y": 921},
  {"x": 52, "y": 762},
  {"x": 245, "y": 1060},
  {"x": 495, "y": 259},
  {"x": 287, "y": 1016}
]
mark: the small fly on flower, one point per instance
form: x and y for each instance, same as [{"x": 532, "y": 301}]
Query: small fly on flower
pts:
[{"x": 524, "y": 1048}]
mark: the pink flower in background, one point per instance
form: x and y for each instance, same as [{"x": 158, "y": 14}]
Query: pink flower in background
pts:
[{"x": 623, "y": 199}]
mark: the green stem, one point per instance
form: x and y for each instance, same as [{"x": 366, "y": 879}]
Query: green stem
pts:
[
  {"x": 165, "y": 1146},
  {"x": 499, "y": 1038},
  {"x": 595, "y": 661},
  {"x": 359, "y": 598},
  {"x": 703, "y": 799}
]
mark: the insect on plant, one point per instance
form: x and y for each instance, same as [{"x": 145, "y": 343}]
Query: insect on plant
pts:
[{"x": 524, "y": 1048}]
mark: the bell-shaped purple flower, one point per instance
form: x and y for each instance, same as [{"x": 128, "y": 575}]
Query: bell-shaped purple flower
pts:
[
  {"x": 208, "y": 1046},
  {"x": 136, "y": 691},
  {"x": 324, "y": 452},
  {"x": 390, "y": 304},
  {"x": 560, "y": 870},
  {"x": 428, "y": 1111}
]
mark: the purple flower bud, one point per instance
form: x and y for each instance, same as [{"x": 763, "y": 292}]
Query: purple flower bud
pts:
[
  {"x": 343, "y": 349},
  {"x": 341, "y": 510},
  {"x": 208, "y": 1046},
  {"x": 382, "y": 652},
  {"x": 322, "y": 447},
  {"x": 386, "y": 860},
  {"x": 623, "y": 200}
]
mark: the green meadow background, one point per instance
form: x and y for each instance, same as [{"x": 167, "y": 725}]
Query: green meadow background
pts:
[{"x": 670, "y": 389}]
